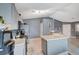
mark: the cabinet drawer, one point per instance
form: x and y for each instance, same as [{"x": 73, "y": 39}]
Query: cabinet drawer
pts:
[{"x": 19, "y": 49}]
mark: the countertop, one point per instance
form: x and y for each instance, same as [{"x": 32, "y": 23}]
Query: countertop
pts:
[
  {"x": 19, "y": 40},
  {"x": 54, "y": 37}
]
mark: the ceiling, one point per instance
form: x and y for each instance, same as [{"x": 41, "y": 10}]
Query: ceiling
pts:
[{"x": 66, "y": 12}]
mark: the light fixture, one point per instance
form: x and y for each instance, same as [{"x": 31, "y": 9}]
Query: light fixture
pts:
[
  {"x": 35, "y": 11},
  {"x": 41, "y": 12}
]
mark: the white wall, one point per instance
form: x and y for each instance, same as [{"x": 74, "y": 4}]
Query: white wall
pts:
[
  {"x": 33, "y": 28},
  {"x": 77, "y": 27},
  {"x": 5, "y": 11},
  {"x": 14, "y": 16},
  {"x": 67, "y": 30},
  {"x": 9, "y": 13}
]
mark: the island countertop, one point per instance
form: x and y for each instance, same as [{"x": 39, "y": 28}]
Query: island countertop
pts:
[{"x": 53, "y": 37}]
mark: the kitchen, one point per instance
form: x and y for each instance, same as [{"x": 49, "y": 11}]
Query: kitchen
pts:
[{"x": 39, "y": 28}]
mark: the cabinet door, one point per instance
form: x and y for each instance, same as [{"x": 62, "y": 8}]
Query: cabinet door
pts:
[
  {"x": 19, "y": 49},
  {"x": 55, "y": 47},
  {"x": 44, "y": 46},
  {"x": 1, "y": 39}
]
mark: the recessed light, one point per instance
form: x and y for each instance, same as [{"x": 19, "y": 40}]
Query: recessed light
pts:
[
  {"x": 35, "y": 11},
  {"x": 19, "y": 14},
  {"x": 73, "y": 18}
]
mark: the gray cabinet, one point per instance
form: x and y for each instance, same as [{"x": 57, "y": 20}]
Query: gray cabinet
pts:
[
  {"x": 57, "y": 26},
  {"x": 54, "y": 46},
  {"x": 50, "y": 24},
  {"x": 1, "y": 39},
  {"x": 20, "y": 46}
]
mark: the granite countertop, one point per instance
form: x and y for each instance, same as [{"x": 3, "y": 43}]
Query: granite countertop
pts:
[
  {"x": 54, "y": 37},
  {"x": 35, "y": 38},
  {"x": 19, "y": 40}
]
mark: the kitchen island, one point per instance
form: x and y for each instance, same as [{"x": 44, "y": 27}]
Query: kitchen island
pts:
[{"x": 54, "y": 44}]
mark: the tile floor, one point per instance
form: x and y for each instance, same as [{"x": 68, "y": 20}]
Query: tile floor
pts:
[{"x": 34, "y": 47}]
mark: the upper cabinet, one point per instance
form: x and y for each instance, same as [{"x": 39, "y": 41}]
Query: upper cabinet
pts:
[
  {"x": 48, "y": 25},
  {"x": 57, "y": 26},
  {"x": 51, "y": 25}
]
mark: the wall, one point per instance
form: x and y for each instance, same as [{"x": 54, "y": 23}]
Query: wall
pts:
[
  {"x": 73, "y": 28},
  {"x": 9, "y": 13},
  {"x": 67, "y": 30},
  {"x": 33, "y": 27},
  {"x": 14, "y": 16},
  {"x": 5, "y": 11}
]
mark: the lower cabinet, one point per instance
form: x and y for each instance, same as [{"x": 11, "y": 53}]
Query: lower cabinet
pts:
[
  {"x": 44, "y": 46},
  {"x": 19, "y": 49},
  {"x": 53, "y": 46}
]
